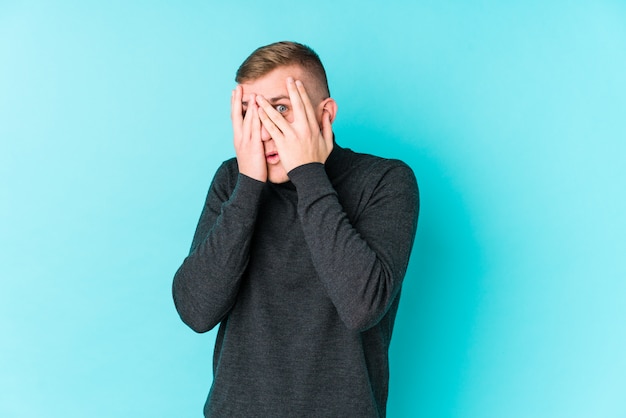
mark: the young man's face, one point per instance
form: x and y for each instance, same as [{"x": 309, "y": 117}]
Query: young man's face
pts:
[{"x": 273, "y": 87}]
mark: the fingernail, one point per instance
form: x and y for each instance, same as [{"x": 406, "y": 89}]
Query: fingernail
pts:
[
  {"x": 290, "y": 79},
  {"x": 298, "y": 82}
]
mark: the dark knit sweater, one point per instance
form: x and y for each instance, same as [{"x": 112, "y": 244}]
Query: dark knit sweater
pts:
[{"x": 304, "y": 279}]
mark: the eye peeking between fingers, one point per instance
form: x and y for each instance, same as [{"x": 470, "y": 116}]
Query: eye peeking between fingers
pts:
[{"x": 280, "y": 108}]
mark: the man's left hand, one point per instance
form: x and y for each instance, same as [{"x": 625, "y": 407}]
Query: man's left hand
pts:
[{"x": 302, "y": 141}]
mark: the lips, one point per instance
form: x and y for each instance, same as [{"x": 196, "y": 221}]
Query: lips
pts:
[{"x": 272, "y": 157}]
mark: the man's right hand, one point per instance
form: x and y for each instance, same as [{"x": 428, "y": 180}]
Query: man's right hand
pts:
[{"x": 247, "y": 136}]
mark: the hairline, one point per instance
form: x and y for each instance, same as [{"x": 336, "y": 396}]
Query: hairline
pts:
[{"x": 317, "y": 87}]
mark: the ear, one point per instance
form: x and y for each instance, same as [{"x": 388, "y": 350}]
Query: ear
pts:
[{"x": 328, "y": 105}]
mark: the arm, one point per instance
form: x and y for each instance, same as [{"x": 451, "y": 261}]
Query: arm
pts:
[
  {"x": 362, "y": 265},
  {"x": 206, "y": 284}
]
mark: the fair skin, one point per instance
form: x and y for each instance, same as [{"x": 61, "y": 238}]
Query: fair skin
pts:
[{"x": 278, "y": 126}]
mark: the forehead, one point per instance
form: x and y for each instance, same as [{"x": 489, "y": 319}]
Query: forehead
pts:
[{"x": 274, "y": 83}]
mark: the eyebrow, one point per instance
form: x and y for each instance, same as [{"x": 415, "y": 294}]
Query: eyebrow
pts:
[{"x": 272, "y": 100}]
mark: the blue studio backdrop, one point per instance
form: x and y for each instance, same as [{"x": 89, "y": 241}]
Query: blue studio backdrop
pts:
[{"x": 115, "y": 115}]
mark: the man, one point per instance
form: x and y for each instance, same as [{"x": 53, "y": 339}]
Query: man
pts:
[{"x": 299, "y": 253}]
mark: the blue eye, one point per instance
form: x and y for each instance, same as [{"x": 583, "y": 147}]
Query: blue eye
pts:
[{"x": 281, "y": 108}]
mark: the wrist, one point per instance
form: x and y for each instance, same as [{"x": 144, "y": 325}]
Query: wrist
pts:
[{"x": 254, "y": 173}]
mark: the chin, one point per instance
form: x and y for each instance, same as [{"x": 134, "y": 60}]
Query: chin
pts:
[
  {"x": 278, "y": 177},
  {"x": 278, "y": 180}
]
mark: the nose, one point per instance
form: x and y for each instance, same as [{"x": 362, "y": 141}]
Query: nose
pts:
[{"x": 265, "y": 136}]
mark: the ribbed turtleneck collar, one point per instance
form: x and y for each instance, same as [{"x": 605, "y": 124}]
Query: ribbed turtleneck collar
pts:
[
  {"x": 334, "y": 166},
  {"x": 336, "y": 161}
]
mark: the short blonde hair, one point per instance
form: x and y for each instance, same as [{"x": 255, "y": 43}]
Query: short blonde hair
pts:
[{"x": 281, "y": 54}]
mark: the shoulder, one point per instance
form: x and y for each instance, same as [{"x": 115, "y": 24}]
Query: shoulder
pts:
[
  {"x": 375, "y": 171},
  {"x": 225, "y": 178},
  {"x": 228, "y": 168},
  {"x": 227, "y": 171},
  {"x": 368, "y": 181}
]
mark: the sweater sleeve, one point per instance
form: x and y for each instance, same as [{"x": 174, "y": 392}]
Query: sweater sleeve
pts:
[
  {"x": 361, "y": 264},
  {"x": 206, "y": 284}
]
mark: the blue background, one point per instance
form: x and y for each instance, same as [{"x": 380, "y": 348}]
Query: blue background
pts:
[{"x": 114, "y": 116}]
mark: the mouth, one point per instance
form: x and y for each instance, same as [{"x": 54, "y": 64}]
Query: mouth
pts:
[{"x": 272, "y": 157}]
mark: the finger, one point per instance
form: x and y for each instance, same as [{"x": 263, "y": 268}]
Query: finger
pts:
[
  {"x": 247, "y": 121},
  {"x": 299, "y": 111},
  {"x": 236, "y": 110},
  {"x": 273, "y": 114},
  {"x": 256, "y": 122},
  {"x": 271, "y": 127},
  {"x": 308, "y": 106},
  {"x": 327, "y": 129}
]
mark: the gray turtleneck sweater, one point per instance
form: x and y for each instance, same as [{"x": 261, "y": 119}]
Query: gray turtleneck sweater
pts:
[{"x": 304, "y": 280}]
